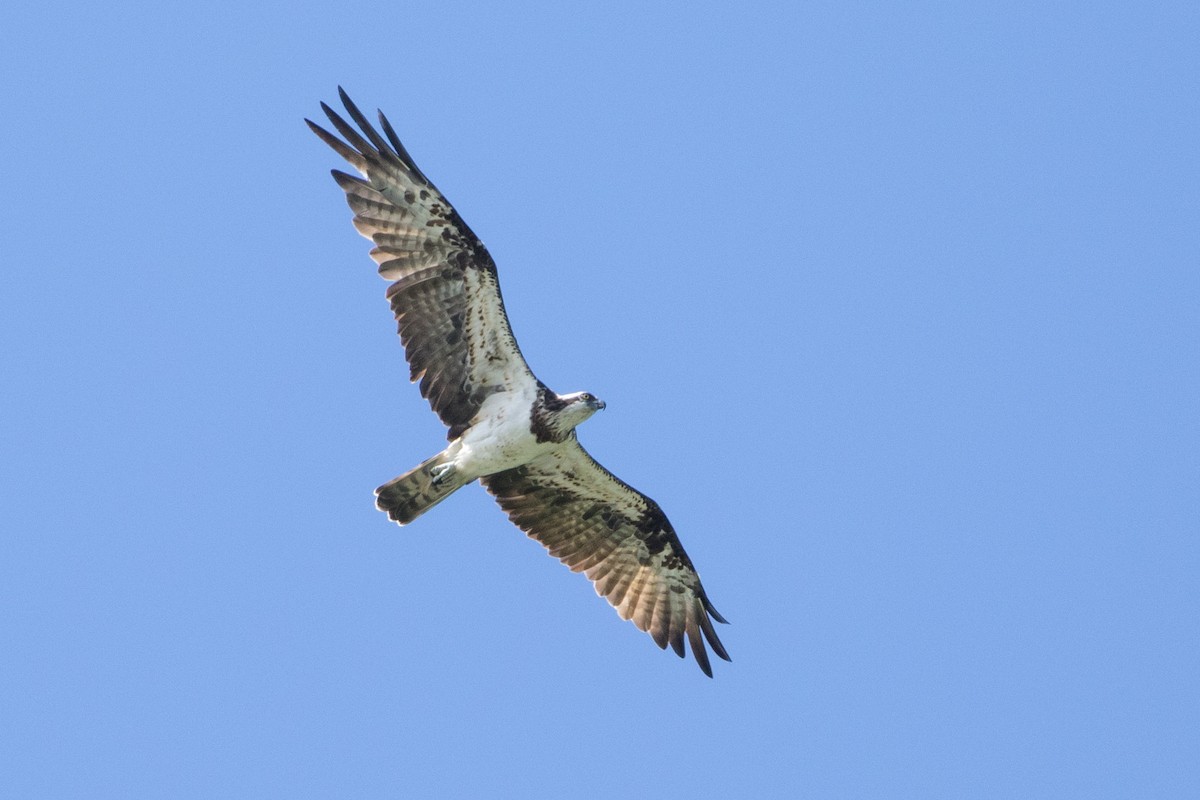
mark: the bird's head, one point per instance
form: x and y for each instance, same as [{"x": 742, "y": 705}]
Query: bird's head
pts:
[
  {"x": 581, "y": 404},
  {"x": 556, "y": 415},
  {"x": 577, "y": 407}
]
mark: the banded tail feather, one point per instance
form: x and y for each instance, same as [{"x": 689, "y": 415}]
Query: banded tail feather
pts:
[
  {"x": 412, "y": 494},
  {"x": 506, "y": 427}
]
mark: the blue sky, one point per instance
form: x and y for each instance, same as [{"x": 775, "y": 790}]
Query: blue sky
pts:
[{"x": 895, "y": 310}]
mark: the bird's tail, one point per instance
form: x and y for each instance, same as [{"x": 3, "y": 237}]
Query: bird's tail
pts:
[{"x": 416, "y": 491}]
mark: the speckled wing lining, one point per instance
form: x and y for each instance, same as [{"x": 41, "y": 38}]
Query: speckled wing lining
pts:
[
  {"x": 445, "y": 295},
  {"x": 596, "y": 524}
]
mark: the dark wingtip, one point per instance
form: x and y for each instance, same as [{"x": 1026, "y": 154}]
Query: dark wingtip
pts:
[
  {"x": 696, "y": 640},
  {"x": 317, "y": 129},
  {"x": 364, "y": 124},
  {"x": 712, "y": 612},
  {"x": 705, "y": 667},
  {"x": 713, "y": 640},
  {"x": 399, "y": 148}
]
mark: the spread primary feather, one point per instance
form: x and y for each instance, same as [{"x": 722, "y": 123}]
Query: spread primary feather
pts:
[{"x": 506, "y": 428}]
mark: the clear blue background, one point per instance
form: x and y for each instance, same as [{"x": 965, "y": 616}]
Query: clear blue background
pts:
[{"x": 896, "y": 308}]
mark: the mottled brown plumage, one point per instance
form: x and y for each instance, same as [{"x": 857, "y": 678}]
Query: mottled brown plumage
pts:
[
  {"x": 596, "y": 524},
  {"x": 507, "y": 429},
  {"x": 444, "y": 278}
]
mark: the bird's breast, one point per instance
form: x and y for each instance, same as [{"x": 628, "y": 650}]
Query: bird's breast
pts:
[{"x": 500, "y": 437}]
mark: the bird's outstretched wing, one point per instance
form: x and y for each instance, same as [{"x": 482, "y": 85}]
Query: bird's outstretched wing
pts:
[
  {"x": 445, "y": 294},
  {"x": 598, "y": 525}
]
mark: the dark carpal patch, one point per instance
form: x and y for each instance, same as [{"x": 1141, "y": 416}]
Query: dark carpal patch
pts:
[
  {"x": 441, "y": 269},
  {"x": 654, "y": 529},
  {"x": 451, "y": 320},
  {"x": 613, "y": 533}
]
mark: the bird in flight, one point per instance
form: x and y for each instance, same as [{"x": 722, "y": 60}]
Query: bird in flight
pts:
[{"x": 507, "y": 429}]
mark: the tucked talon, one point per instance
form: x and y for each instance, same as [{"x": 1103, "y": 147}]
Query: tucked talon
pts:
[
  {"x": 508, "y": 430},
  {"x": 440, "y": 472}
]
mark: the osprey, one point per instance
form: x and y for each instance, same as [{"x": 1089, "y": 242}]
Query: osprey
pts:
[{"x": 507, "y": 429}]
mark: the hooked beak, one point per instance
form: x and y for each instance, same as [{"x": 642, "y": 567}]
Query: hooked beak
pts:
[{"x": 598, "y": 404}]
